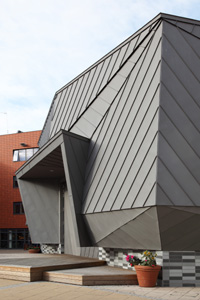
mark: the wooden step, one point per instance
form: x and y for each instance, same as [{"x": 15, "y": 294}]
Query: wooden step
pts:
[
  {"x": 31, "y": 269},
  {"x": 102, "y": 275}
]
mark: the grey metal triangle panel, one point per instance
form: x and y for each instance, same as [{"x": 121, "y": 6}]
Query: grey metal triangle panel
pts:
[
  {"x": 179, "y": 229},
  {"x": 137, "y": 234},
  {"x": 103, "y": 224},
  {"x": 193, "y": 210}
]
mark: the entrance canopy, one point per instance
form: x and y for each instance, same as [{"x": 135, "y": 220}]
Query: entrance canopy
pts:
[{"x": 61, "y": 160}]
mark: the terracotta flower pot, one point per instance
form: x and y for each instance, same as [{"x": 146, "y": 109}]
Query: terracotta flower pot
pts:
[
  {"x": 147, "y": 276},
  {"x": 33, "y": 250}
]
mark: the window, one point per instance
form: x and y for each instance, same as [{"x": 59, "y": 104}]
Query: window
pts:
[
  {"x": 18, "y": 208},
  {"x": 15, "y": 183},
  {"x": 23, "y": 154},
  {"x": 14, "y": 238}
]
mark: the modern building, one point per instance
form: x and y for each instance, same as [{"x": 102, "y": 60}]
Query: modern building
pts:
[
  {"x": 15, "y": 149},
  {"x": 118, "y": 167}
]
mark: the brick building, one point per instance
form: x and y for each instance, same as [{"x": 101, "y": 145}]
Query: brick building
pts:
[{"x": 15, "y": 149}]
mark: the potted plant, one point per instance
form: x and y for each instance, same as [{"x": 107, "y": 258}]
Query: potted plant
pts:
[
  {"x": 34, "y": 249},
  {"x": 146, "y": 268}
]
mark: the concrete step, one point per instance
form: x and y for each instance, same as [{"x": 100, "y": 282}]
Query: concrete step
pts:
[{"x": 101, "y": 275}]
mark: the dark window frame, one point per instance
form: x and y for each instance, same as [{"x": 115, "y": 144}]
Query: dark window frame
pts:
[
  {"x": 15, "y": 183},
  {"x": 24, "y": 153},
  {"x": 18, "y": 208}
]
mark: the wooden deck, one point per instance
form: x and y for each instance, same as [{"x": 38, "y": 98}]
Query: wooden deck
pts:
[
  {"x": 63, "y": 268},
  {"x": 102, "y": 275},
  {"x": 31, "y": 268}
]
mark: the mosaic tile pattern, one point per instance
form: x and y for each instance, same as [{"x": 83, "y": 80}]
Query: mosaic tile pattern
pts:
[
  {"x": 117, "y": 257},
  {"x": 179, "y": 269},
  {"x": 51, "y": 249}
]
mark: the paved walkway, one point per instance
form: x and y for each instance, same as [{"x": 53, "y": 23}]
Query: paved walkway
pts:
[{"x": 18, "y": 290}]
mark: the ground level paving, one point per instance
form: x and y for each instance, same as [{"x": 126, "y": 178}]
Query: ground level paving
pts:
[{"x": 18, "y": 290}]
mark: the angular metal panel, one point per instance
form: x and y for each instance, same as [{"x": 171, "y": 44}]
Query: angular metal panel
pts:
[
  {"x": 74, "y": 158},
  {"x": 169, "y": 185},
  {"x": 103, "y": 224},
  {"x": 136, "y": 234},
  {"x": 129, "y": 116},
  {"x": 180, "y": 145},
  {"x": 40, "y": 200},
  {"x": 196, "y": 31},
  {"x": 179, "y": 230}
]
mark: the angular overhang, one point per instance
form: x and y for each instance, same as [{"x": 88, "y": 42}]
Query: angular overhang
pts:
[
  {"x": 62, "y": 160},
  {"x": 48, "y": 161}
]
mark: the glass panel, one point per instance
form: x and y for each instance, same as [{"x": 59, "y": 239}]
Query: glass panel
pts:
[
  {"x": 15, "y": 155},
  {"x": 35, "y": 150},
  {"x": 20, "y": 237},
  {"x": 4, "y": 236},
  {"x": 14, "y": 244},
  {"x": 4, "y": 244},
  {"x": 20, "y": 244},
  {"x": 29, "y": 153},
  {"x": 16, "y": 208},
  {"x": 22, "y": 155},
  {"x": 15, "y": 183}
]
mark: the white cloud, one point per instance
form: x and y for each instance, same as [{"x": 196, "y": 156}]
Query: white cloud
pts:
[{"x": 45, "y": 43}]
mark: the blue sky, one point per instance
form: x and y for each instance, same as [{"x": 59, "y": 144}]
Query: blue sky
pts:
[{"x": 46, "y": 43}]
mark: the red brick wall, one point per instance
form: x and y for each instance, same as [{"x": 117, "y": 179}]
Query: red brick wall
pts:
[{"x": 8, "y": 194}]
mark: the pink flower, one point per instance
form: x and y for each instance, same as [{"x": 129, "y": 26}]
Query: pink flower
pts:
[
  {"x": 127, "y": 258},
  {"x": 132, "y": 256},
  {"x": 153, "y": 265},
  {"x": 145, "y": 259}
]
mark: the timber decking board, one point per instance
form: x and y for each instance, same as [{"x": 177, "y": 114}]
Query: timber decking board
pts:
[
  {"x": 31, "y": 269},
  {"x": 102, "y": 275}
]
